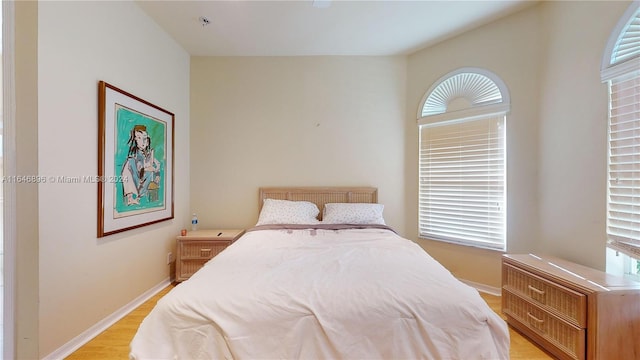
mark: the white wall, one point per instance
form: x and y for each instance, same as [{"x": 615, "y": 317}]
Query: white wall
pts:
[
  {"x": 512, "y": 49},
  {"x": 294, "y": 121},
  {"x": 573, "y": 130},
  {"x": 549, "y": 57},
  {"x": 82, "y": 278},
  {"x": 302, "y": 121}
]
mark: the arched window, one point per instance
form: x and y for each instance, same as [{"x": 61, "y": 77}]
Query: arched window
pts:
[
  {"x": 462, "y": 159},
  {"x": 621, "y": 71}
]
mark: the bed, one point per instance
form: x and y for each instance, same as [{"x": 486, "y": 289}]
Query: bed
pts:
[{"x": 296, "y": 287}]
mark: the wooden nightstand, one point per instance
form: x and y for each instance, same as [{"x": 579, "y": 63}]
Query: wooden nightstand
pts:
[{"x": 198, "y": 247}]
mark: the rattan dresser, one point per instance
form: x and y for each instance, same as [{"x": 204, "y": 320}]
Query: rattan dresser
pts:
[
  {"x": 572, "y": 311},
  {"x": 198, "y": 247}
]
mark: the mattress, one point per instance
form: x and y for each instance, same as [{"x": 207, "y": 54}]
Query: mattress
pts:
[{"x": 322, "y": 293}]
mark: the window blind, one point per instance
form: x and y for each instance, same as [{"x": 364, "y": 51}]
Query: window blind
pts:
[
  {"x": 628, "y": 45},
  {"x": 476, "y": 88},
  {"x": 623, "y": 203},
  {"x": 462, "y": 182}
]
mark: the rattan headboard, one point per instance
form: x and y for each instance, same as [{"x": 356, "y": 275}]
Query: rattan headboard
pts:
[{"x": 320, "y": 195}]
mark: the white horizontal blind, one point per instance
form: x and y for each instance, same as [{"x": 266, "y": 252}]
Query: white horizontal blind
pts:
[
  {"x": 628, "y": 45},
  {"x": 476, "y": 88},
  {"x": 623, "y": 203},
  {"x": 462, "y": 182}
]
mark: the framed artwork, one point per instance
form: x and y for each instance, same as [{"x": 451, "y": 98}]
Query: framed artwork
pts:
[{"x": 135, "y": 161}]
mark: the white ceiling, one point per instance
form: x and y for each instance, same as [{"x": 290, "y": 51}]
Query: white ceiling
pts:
[{"x": 298, "y": 28}]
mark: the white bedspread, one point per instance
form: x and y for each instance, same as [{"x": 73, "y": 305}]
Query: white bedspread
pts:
[{"x": 322, "y": 294}]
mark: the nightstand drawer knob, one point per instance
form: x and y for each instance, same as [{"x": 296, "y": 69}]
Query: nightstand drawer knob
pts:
[
  {"x": 205, "y": 250},
  {"x": 537, "y": 291}
]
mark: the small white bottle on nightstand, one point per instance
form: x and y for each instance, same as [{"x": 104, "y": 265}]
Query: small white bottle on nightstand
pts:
[{"x": 194, "y": 222}]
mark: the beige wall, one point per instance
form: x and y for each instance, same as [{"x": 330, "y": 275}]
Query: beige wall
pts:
[
  {"x": 26, "y": 132},
  {"x": 294, "y": 121},
  {"x": 512, "y": 49},
  {"x": 573, "y": 130},
  {"x": 556, "y": 130},
  {"x": 83, "y": 279},
  {"x": 288, "y": 121}
]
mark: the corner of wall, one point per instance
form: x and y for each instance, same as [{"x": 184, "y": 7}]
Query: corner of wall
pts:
[{"x": 26, "y": 112}]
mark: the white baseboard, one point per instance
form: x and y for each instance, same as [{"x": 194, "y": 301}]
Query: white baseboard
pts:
[
  {"x": 75, "y": 343},
  {"x": 491, "y": 290}
]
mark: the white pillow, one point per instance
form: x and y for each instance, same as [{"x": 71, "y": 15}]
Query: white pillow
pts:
[
  {"x": 353, "y": 213},
  {"x": 288, "y": 212}
]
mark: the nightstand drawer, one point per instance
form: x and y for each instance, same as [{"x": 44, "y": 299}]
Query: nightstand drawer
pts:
[
  {"x": 189, "y": 267},
  {"x": 568, "y": 339},
  {"x": 202, "y": 249},
  {"x": 197, "y": 247},
  {"x": 563, "y": 302}
]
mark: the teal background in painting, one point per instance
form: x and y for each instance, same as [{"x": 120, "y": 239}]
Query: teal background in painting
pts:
[{"x": 126, "y": 119}]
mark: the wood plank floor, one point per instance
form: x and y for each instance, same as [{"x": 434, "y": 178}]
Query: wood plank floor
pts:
[{"x": 113, "y": 343}]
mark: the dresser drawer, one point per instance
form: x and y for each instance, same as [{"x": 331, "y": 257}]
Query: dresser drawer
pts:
[
  {"x": 203, "y": 250},
  {"x": 555, "y": 298},
  {"x": 571, "y": 310},
  {"x": 568, "y": 340}
]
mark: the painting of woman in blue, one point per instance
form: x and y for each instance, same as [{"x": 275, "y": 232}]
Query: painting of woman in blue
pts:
[{"x": 141, "y": 170}]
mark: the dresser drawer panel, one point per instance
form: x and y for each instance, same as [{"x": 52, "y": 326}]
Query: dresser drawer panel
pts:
[
  {"x": 567, "y": 338},
  {"x": 567, "y": 303},
  {"x": 201, "y": 249}
]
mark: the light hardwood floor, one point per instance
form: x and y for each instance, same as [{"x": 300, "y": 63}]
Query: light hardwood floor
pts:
[{"x": 113, "y": 343}]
